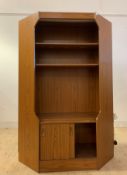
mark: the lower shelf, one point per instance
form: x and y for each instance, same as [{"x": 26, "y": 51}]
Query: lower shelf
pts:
[{"x": 83, "y": 150}]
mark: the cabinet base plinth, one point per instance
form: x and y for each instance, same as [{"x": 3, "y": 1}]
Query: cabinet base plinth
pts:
[{"x": 68, "y": 165}]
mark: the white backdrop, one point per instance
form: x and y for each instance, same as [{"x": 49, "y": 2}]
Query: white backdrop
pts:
[{"x": 12, "y": 11}]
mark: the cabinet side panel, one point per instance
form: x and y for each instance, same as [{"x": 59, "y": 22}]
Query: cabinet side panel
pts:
[
  {"x": 28, "y": 141},
  {"x": 105, "y": 130}
]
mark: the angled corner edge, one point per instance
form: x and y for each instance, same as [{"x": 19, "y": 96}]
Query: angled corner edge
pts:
[{"x": 34, "y": 16}]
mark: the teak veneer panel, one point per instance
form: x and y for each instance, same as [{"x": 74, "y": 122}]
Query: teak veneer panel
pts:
[
  {"x": 105, "y": 131},
  {"x": 57, "y": 141},
  {"x": 67, "y": 90},
  {"x": 28, "y": 132}
]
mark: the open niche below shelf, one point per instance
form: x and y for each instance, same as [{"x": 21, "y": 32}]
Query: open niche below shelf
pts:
[{"x": 85, "y": 140}]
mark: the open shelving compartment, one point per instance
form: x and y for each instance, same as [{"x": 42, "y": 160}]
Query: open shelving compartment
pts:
[
  {"x": 67, "y": 75},
  {"x": 85, "y": 140}
]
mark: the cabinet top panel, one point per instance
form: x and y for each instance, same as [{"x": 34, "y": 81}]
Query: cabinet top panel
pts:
[{"x": 66, "y": 15}]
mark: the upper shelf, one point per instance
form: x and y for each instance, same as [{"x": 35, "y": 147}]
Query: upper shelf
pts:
[
  {"x": 67, "y": 45},
  {"x": 68, "y": 65}
]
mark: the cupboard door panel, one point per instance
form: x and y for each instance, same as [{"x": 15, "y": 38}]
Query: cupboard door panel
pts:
[{"x": 56, "y": 141}]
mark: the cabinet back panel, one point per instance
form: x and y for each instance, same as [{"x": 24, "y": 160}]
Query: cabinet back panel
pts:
[
  {"x": 66, "y": 32},
  {"x": 85, "y": 133},
  {"x": 66, "y": 56},
  {"x": 66, "y": 90}
]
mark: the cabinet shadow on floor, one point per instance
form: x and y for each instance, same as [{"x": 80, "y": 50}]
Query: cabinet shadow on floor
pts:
[{"x": 119, "y": 162}]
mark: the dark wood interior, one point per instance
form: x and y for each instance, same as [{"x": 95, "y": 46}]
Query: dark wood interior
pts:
[
  {"x": 66, "y": 32},
  {"x": 85, "y": 140},
  {"x": 67, "y": 81},
  {"x": 64, "y": 56},
  {"x": 60, "y": 87}
]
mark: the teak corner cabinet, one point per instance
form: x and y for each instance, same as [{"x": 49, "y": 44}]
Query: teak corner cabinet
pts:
[{"x": 65, "y": 91}]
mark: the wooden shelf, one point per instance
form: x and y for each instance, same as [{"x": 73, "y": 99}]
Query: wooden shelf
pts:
[
  {"x": 67, "y": 45},
  {"x": 67, "y": 65},
  {"x": 68, "y": 117}
]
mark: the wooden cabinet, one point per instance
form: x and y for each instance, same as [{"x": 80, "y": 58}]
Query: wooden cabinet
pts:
[
  {"x": 56, "y": 141},
  {"x": 65, "y": 91}
]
